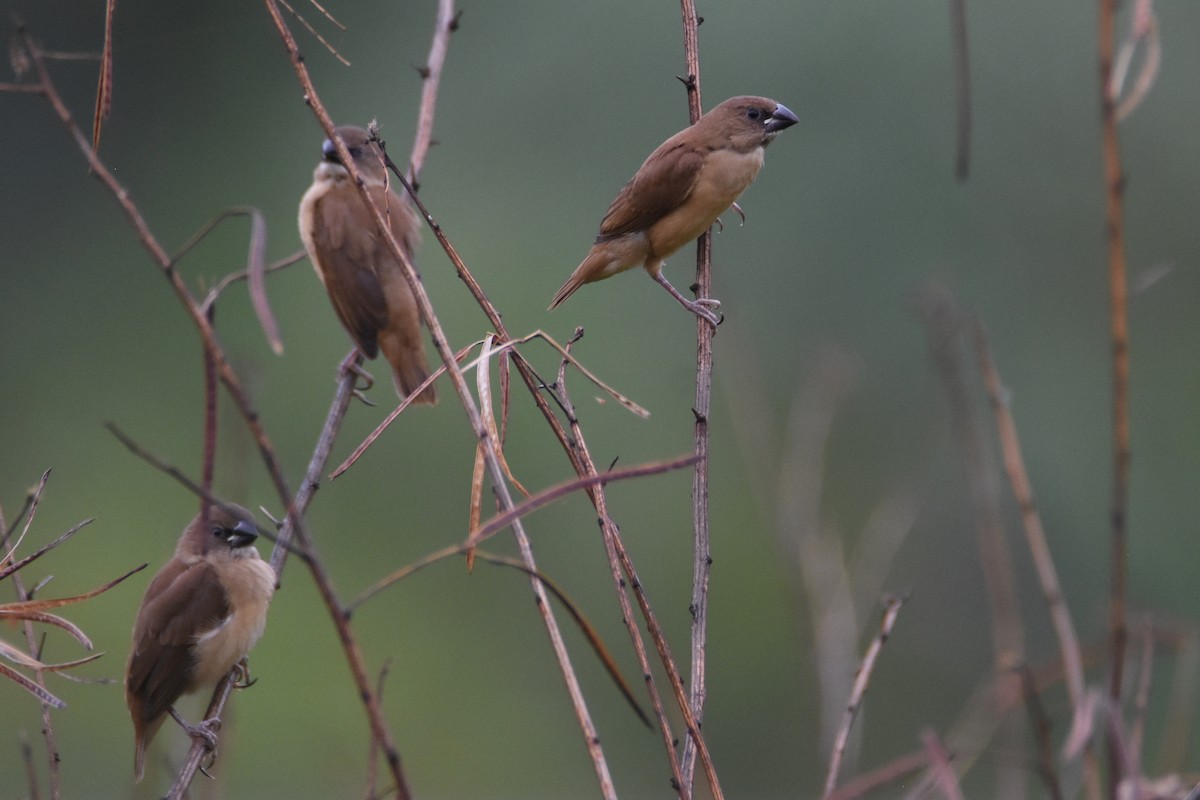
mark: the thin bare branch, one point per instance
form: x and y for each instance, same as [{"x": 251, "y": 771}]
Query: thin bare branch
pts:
[
  {"x": 1137, "y": 726},
  {"x": 1039, "y": 548},
  {"x": 327, "y": 15},
  {"x": 308, "y": 27},
  {"x": 701, "y": 542},
  {"x": 1042, "y": 732},
  {"x": 161, "y": 465},
  {"x": 887, "y": 774},
  {"x": 962, "y": 89},
  {"x": 1022, "y": 489},
  {"x": 1119, "y": 300},
  {"x": 862, "y": 679},
  {"x": 447, "y": 23},
  {"x": 939, "y": 765}
]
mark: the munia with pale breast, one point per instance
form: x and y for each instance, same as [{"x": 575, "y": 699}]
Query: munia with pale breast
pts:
[
  {"x": 201, "y": 614},
  {"x": 372, "y": 299},
  {"x": 679, "y": 192}
]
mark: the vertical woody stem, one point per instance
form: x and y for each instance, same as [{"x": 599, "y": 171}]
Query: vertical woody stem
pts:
[
  {"x": 1118, "y": 291},
  {"x": 702, "y": 558}
]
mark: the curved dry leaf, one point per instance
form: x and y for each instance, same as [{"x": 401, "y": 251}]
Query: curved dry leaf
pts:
[
  {"x": 59, "y": 602},
  {"x": 19, "y": 656},
  {"x": 28, "y": 615},
  {"x": 31, "y": 687},
  {"x": 104, "y": 89},
  {"x": 256, "y": 272}
]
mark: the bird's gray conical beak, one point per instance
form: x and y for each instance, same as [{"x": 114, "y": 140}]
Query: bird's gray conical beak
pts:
[
  {"x": 243, "y": 534},
  {"x": 781, "y": 118}
]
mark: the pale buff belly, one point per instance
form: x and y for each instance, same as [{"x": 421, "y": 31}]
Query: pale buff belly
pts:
[
  {"x": 252, "y": 584},
  {"x": 725, "y": 176}
]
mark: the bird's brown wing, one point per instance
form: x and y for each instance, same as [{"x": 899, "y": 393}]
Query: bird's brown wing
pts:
[
  {"x": 181, "y": 603},
  {"x": 347, "y": 250},
  {"x": 664, "y": 182}
]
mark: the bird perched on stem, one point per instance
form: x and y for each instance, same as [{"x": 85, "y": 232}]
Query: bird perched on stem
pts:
[
  {"x": 679, "y": 192},
  {"x": 369, "y": 293},
  {"x": 200, "y": 616}
]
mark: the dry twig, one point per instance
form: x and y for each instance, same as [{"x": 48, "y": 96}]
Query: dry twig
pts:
[
  {"x": 1118, "y": 294},
  {"x": 891, "y": 609},
  {"x": 1039, "y": 548},
  {"x": 701, "y": 542},
  {"x": 1042, "y": 731}
]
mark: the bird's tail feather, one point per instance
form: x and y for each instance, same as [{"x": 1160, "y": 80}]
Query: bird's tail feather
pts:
[
  {"x": 568, "y": 289},
  {"x": 409, "y": 370},
  {"x": 139, "y": 760}
]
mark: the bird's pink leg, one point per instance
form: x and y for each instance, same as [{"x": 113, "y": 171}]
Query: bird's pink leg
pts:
[{"x": 704, "y": 307}]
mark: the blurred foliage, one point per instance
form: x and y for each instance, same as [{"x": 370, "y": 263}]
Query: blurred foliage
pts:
[{"x": 545, "y": 110}]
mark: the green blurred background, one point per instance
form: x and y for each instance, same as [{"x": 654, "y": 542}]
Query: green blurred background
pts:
[{"x": 545, "y": 110}]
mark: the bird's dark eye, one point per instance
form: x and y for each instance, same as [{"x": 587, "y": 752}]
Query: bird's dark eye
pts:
[
  {"x": 753, "y": 113},
  {"x": 218, "y": 531},
  {"x": 355, "y": 152}
]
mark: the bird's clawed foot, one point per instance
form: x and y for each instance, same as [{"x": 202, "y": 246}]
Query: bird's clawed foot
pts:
[
  {"x": 740, "y": 213},
  {"x": 206, "y": 731},
  {"x": 352, "y": 365},
  {"x": 706, "y": 308},
  {"x": 241, "y": 678}
]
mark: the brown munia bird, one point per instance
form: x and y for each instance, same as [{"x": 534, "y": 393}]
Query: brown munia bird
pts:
[
  {"x": 679, "y": 192},
  {"x": 200, "y": 616},
  {"x": 364, "y": 282}
]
